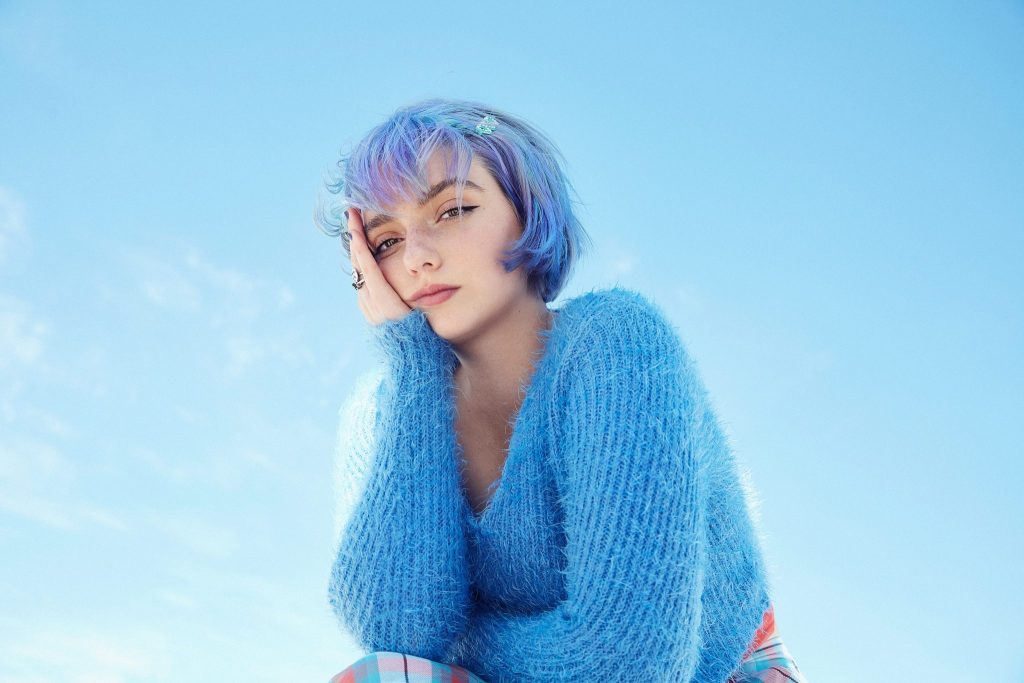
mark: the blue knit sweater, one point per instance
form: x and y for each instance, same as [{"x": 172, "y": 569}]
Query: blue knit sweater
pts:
[{"x": 617, "y": 544}]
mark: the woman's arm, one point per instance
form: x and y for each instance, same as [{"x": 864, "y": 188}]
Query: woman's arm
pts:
[
  {"x": 634, "y": 517},
  {"x": 399, "y": 579}
]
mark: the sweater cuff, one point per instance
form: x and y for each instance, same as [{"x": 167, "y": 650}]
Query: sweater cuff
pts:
[{"x": 410, "y": 342}]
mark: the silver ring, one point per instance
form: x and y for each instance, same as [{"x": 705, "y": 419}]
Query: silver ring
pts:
[{"x": 357, "y": 279}]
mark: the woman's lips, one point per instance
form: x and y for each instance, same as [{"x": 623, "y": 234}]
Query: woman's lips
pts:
[{"x": 436, "y": 297}]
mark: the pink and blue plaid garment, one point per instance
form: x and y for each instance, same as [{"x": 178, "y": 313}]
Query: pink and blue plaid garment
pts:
[
  {"x": 766, "y": 661},
  {"x": 770, "y": 663},
  {"x": 394, "y": 667}
]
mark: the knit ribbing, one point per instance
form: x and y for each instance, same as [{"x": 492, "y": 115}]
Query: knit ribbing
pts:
[
  {"x": 620, "y": 504},
  {"x": 399, "y": 583},
  {"x": 633, "y": 519}
]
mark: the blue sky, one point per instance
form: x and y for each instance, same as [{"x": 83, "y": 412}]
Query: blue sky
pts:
[{"x": 826, "y": 198}]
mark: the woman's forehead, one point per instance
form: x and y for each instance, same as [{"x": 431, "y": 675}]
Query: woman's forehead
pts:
[
  {"x": 437, "y": 168},
  {"x": 440, "y": 179}
]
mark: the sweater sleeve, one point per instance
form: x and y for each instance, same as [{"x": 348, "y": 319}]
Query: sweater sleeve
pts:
[
  {"x": 399, "y": 579},
  {"x": 633, "y": 517}
]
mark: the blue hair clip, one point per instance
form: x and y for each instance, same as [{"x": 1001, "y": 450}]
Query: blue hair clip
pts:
[{"x": 487, "y": 125}]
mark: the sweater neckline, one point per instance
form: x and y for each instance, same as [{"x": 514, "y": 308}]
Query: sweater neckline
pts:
[{"x": 542, "y": 371}]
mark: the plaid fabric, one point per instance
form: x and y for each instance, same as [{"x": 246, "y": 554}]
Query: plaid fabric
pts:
[
  {"x": 393, "y": 667},
  {"x": 767, "y": 660}
]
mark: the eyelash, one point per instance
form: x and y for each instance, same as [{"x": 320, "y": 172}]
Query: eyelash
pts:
[{"x": 465, "y": 209}]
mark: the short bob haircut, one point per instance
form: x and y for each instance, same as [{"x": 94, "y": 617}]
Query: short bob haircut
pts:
[{"x": 388, "y": 166}]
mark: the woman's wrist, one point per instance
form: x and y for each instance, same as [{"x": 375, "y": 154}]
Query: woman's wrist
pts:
[{"x": 410, "y": 342}]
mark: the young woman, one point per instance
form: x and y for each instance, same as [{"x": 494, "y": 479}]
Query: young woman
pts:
[{"x": 526, "y": 493}]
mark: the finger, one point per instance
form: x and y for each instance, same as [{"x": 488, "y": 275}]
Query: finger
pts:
[
  {"x": 382, "y": 299},
  {"x": 367, "y": 262},
  {"x": 357, "y": 246},
  {"x": 353, "y": 263},
  {"x": 363, "y": 295},
  {"x": 353, "y": 239},
  {"x": 361, "y": 254},
  {"x": 360, "y": 249}
]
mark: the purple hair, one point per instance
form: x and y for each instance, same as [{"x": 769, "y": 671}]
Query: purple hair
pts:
[{"x": 388, "y": 167}]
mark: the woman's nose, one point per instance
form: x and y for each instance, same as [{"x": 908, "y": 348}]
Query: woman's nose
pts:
[{"x": 420, "y": 247}]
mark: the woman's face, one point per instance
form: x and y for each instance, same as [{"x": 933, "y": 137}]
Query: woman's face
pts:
[{"x": 418, "y": 245}]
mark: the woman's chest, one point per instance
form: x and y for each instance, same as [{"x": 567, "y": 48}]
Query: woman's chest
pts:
[
  {"x": 484, "y": 448},
  {"x": 514, "y": 529}
]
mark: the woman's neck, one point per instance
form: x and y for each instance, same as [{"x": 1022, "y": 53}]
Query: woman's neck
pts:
[{"x": 489, "y": 376}]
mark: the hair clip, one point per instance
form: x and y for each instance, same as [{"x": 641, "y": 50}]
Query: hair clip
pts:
[{"x": 487, "y": 125}]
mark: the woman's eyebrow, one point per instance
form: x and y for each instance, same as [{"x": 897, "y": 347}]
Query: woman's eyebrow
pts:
[{"x": 438, "y": 188}]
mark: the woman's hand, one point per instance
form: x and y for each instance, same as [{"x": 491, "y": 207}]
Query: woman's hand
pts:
[{"x": 377, "y": 299}]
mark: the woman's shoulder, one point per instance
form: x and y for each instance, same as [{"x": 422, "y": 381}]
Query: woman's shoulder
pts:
[
  {"x": 361, "y": 400},
  {"x": 615, "y": 316}
]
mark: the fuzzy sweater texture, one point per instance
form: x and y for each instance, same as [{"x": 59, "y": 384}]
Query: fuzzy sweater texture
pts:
[{"x": 617, "y": 544}]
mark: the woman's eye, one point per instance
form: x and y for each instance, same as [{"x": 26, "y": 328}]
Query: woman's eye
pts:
[
  {"x": 381, "y": 248},
  {"x": 450, "y": 214},
  {"x": 465, "y": 210}
]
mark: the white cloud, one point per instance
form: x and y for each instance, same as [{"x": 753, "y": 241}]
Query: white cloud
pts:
[
  {"x": 36, "y": 509},
  {"x": 188, "y": 415},
  {"x": 330, "y": 376},
  {"x": 690, "y": 299},
  {"x": 37, "y": 484},
  {"x": 36, "y": 480},
  {"x": 177, "y": 599},
  {"x": 261, "y": 461},
  {"x": 163, "y": 284},
  {"x": 199, "y": 534},
  {"x": 246, "y": 350},
  {"x": 102, "y": 518},
  {"x": 623, "y": 264},
  {"x": 21, "y": 333},
  {"x": 228, "y": 471},
  {"x": 235, "y": 304},
  {"x": 231, "y": 281},
  {"x": 28, "y": 466},
  {"x": 65, "y": 652},
  {"x": 48, "y": 422},
  {"x": 273, "y": 597},
  {"x": 240, "y": 297},
  {"x": 13, "y": 226},
  {"x": 285, "y": 298},
  {"x": 618, "y": 258},
  {"x": 171, "y": 292}
]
